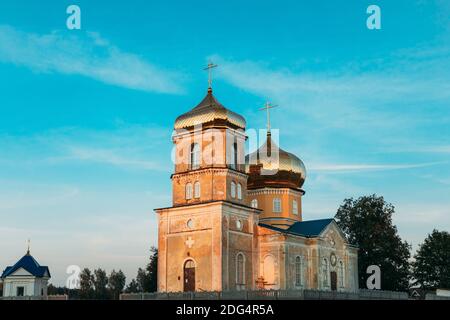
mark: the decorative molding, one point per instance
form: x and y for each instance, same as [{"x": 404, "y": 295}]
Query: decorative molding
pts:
[{"x": 267, "y": 191}]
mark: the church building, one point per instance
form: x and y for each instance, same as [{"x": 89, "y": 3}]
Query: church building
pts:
[
  {"x": 25, "y": 278},
  {"x": 236, "y": 221}
]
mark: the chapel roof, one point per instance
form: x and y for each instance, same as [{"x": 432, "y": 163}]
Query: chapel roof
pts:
[{"x": 28, "y": 263}]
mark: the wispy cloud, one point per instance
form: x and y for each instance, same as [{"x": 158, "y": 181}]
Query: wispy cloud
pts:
[
  {"x": 125, "y": 147},
  {"x": 87, "y": 55},
  {"x": 367, "y": 167},
  {"x": 385, "y": 95}
]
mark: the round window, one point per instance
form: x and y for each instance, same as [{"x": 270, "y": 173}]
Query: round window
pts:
[{"x": 190, "y": 224}]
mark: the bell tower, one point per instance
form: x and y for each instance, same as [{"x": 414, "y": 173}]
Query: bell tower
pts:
[
  {"x": 206, "y": 238},
  {"x": 209, "y": 144}
]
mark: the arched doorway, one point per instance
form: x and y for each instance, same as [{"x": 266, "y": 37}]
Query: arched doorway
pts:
[
  {"x": 269, "y": 272},
  {"x": 189, "y": 276}
]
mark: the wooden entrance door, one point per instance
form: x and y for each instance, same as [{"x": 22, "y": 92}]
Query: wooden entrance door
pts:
[
  {"x": 333, "y": 278},
  {"x": 189, "y": 276}
]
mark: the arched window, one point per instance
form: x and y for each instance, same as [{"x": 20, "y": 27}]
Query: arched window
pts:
[
  {"x": 254, "y": 203},
  {"x": 325, "y": 272},
  {"x": 188, "y": 191},
  {"x": 195, "y": 156},
  {"x": 197, "y": 189},
  {"x": 239, "y": 191},
  {"x": 234, "y": 156},
  {"x": 233, "y": 189},
  {"x": 276, "y": 205},
  {"x": 240, "y": 271},
  {"x": 298, "y": 271},
  {"x": 341, "y": 274},
  {"x": 294, "y": 207}
]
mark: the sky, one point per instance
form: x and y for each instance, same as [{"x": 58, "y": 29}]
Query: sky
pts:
[{"x": 86, "y": 116}]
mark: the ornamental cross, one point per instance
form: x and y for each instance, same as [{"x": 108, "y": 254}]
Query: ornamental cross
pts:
[
  {"x": 209, "y": 67},
  {"x": 189, "y": 242},
  {"x": 267, "y": 107}
]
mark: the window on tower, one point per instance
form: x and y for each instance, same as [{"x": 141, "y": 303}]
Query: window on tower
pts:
[
  {"x": 195, "y": 156},
  {"x": 294, "y": 207},
  {"x": 254, "y": 203},
  {"x": 234, "y": 157},
  {"x": 233, "y": 189},
  {"x": 188, "y": 191},
  {"x": 197, "y": 189},
  {"x": 276, "y": 205},
  {"x": 239, "y": 191}
]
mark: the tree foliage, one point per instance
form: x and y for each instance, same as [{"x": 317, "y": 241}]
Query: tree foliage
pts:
[
  {"x": 431, "y": 266},
  {"x": 100, "y": 284},
  {"x": 86, "y": 284},
  {"x": 367, "y": 223},
  {"x": 116, "y": 283},
  {"x": 146, "y": 279}
]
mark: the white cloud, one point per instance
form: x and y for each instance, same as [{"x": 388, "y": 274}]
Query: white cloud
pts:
[
  {"x": 90, "y": 56},
  {"x": 367, "y": 167},
  {"x": 124, "y": 147},
  {"x": 371, "y": 99}
]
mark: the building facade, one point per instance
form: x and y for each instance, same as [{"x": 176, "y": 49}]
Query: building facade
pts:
[{"x": 236, "y": 221}]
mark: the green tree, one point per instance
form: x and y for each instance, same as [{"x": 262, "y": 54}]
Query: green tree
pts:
[
  {"x": 367, "y": 223},
  {"x": 116, "y": 283},
  {"x": 133, "y": 287},
  {"x": 152, "y": 270},
  {"x": 431, "y": 266},
  {"x": 142, "y": 280},
  {"x": 86, "y": 284},
  {"x": 147, "y": 278},
  {"x": 100, "y": 284}
]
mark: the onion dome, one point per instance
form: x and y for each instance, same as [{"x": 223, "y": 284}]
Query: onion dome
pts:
[
  {"x": 271, "y": 166},
  {"x": 209, "y": 112}
]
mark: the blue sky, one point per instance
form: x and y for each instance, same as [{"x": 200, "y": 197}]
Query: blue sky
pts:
[{"x": 86, "y": 115}]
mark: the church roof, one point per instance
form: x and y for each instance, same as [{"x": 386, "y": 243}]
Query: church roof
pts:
[
  {"x": 308, "y": 229},
  {"x": 28, "y": 263},
  {"x": 209, "y": 110},
  {"x": 271, "y": 166}
]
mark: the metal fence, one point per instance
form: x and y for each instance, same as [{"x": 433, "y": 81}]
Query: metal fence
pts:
[
  {"x": 433, "y": 296},
  {"x": 52, "y": 297},
  {"x": 270, "y": 295}
]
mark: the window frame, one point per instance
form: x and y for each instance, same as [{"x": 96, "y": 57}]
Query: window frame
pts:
[
  {"x": 294, "y": 207},
  {"x": 239, "y": 191},
  {"x": 233, "y": 190},
  {"x": 194, "y": 156},
  {"x": 298, "y": 271},
  {"x": 197, "y": 190},
  {"x": 276, "y": 205},
  {"x": 240, "y": 274},
  {"x": 188, "y": 191}
]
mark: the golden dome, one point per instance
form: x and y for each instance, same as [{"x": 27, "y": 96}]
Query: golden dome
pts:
[
  {"x": 271, "y": 166},
  {"x": 209, "y": 111}
]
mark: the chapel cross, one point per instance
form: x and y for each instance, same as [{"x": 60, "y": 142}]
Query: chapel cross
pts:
[
  {"x": 28, "y": 250},
  {"x": 267, "y": 107},
  {"x": 189, "y": 242},
  {"x": 209, "y": 67}
]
